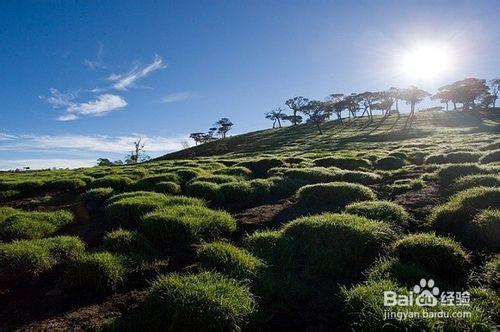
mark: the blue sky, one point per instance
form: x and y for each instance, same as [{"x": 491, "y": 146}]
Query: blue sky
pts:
[{"x": 81, "y": 79}]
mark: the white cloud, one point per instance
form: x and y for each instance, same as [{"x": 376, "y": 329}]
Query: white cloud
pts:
[
  {"x": 126, "y": 80},
  {"x": 97, "y": 63},
  {"x": 177, "y": 96},
  {"x": 103, "y": 104},
  {"x": 59, "y": 99},
  {"x": 98, "y": 107},
  {"x": 95, "y": 143}
]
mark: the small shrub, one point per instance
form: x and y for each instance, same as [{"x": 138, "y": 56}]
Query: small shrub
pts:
[
  {"x": 225, "y": 258},
  {"x": 389, "y": 163},
  {"x": 149, "y": 183},
  {"x": 404, "y": 273},
  {"x": 448, "y": 174},
  {"x": 440, "y": 256},
  {"x": 263, "y": 243},
  {"x": 178, "y": 226},
  {"x": 453, "y": 158},
  {"x": 458, "y": 218},
  {"x": 492, "y": 273},
  {"x": 365, "y": 309},
  {"x": 469, "y": 181},
  {"x": 95, "y": 198},
  {"x": 332, "y": 196},
  {"x": 360, "y": 177},
  {"x": 219, "y": 179},
  {"x": 206, "y": 301},
  {"x": 403, "y": 185},
  {"x": 260, "y": 167},
  {"x": 34, "y": 225},
  {"x": 188, "y": 174},
  {"x": 235, "y": 195},
  {"x": 129, "y": 210},
  {"x": 122, "y": 241},
  {"x": 312, "y": 175},
  {"x": 234, "y": 171},
  {"x": 491, "y": 157},
  {"x": 95, "y": 273},
  {"x": 29, "y": 258},
  {"x": 385, "y": 211},
  {"x": 116, "y": 182},
  {"x": 6, "y": 212},
  {"x": 67, "y": 184},
  {"x": 167, "y": 187},
  {"x": 205, "y": 190},
  {"x": 343, "y": 162}
]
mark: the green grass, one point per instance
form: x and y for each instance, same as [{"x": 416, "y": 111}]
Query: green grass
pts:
[
  {"x": 441, "y": 256},
  {"x": 126, "y": 242},
  {"x": 332, "y": 196},
  {"x": 364, "y": 308},
  {"x": 230, "y": 260},
  {"x": 205, "y": 301},
  {"x": 177, "y": 226},
  {"x": 492, "y": 274},
  {"x": 459, "y": 218},
  {"x": 385, "y": 211},
  {"x": 95, "y": 273},
  {"x": 26, "y": 259},
  {"x": 128, "y": 210},
  {"x": 343, "y": 162},
  {"x": 34, "y": 225}
]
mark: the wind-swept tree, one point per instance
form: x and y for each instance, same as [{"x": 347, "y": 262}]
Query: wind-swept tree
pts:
[
  {"x": 395, "y": 94},
  {"x": 469, "y": 91},
  {"x": 413, "y": 96},
  {"x": 104, "y": 162},
  {"x": 445, "y": 96},
  {"x": 368, "y": 99},
  {"x": 334, "y": 104},
  {"x": 197, "y": 137},
  {"x": 296, "y": 105},
  {"x": 276, "y": 115},
  {"x": 223, "y": 126},
  {"x": 495, "y": 88},
  {"x": 317, "y": 112}
]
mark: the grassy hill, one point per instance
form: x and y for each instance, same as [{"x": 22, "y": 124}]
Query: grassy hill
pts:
[{"x": 283, "y": 229}]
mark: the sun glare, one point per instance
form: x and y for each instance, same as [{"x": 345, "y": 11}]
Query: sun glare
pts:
[{"x": 425, "y": 62}]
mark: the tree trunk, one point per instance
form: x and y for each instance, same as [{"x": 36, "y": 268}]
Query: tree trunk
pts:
[
  {"x": 279, "y": 123},
  {"x": 294, "y": 117}
]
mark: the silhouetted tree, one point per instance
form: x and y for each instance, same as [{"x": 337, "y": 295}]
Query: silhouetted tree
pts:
[
  {"x": 197, "y": 137},
  {"x": 317, "y": 112},
  {"x": 276, "y": 115},
  {"x": 368, "y": 99},
  {"x": 223, "y": 126},
  {"x": 495, "y": 88},
  {"x": 468, "y": 91},
  {"x": 413, "y": 96},
  {"x": 137, "y": 155},
  {"x": 296, "y": 105},
  {"x": 395, "y": 94},
  {"x": 335, "y": 103},
  {"x": 445, "y": 96}
]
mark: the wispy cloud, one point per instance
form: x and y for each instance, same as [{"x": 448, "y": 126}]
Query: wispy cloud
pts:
[
  {"x": 96, "y": 143},
  {"x": 96, "y": 63},
  {"x": 98, "y": 107},
  {"x": 127, "y": 80},
  {"x": 101, "y": 105},
  {"x": 177, "y": 96}
]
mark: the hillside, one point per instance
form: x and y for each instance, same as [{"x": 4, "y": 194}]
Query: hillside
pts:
[
  {"x": 336, "y": 135},
  {"x": 279, "y": 229}
]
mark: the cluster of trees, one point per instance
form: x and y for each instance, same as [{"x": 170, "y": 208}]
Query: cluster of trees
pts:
[
  {"x": 220, "y": 128},
  {"x": 470, "y": 93}
]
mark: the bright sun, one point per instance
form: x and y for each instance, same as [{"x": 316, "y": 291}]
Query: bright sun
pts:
[{"x": 425, "y": 62}]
